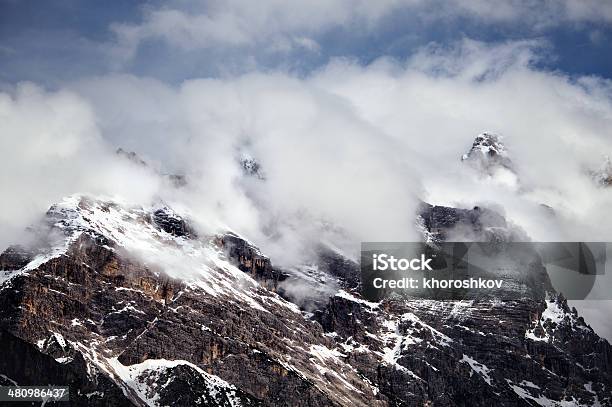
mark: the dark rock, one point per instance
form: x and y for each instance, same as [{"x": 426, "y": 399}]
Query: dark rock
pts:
[
  {"x": 252, "y": 168},
  {"x": 15, "y": 257},
  {"x": 250, "y": 260},
  {"x": 170, "y": 222},
  {"x": 132, "y": 157},
  {"x": 93, "y": 310}
]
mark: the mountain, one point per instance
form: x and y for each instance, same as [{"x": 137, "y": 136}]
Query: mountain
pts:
[
  {"x": 603, "y": 175},
  {"x": 130, "y": 306},
  {"x": 174, "y": 180},
  {"x": 490, "y": 157},
  {"x": 488, "y": 150}
]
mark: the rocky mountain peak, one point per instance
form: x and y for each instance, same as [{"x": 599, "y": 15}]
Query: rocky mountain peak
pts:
[
  {"x": 130, "y": 307},
  {"x": 175, "y": 180},
  {"x": 487, "y": 146},
  {"x": 251, "y": 167},
  {"x": 489, "y": 156},
  {"x": 131, "y": 156},
  {"x": 603, "y": 175}
]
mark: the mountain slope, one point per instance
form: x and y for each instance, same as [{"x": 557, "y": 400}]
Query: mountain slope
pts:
[{"x": 131, "y": 307}]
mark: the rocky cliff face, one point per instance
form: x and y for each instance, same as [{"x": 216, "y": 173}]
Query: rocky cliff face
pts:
[{"x": 130, "y": 306}]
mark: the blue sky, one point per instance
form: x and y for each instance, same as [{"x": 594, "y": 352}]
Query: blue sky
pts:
[{"x": 55, "y": 42}]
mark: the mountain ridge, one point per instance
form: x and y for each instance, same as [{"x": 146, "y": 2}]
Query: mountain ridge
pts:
[{"x": 120, "y": 322}]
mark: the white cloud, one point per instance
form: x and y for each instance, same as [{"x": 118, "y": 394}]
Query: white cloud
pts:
[
  {"x": 350, "y": 146},
  {"x": 356, "y": 144},
  {"x": 280, "y": 26},
  {"x": 273, "y": 25},
  {"x": 51, "y": 147},
  {"x": 597, "y": 315},
  {"x": 315, "y": 151},
  {"x": 587, "y": 10}
]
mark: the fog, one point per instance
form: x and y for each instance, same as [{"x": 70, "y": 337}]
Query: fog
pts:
[
  {"x": 52, "y": 147},
  {"x": 347, "y": 151},
  {"x": 353, "y": 146}
]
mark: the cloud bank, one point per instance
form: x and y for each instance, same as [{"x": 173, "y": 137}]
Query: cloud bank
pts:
[
  {"x": 347, "y": 152},
  {"x": 351, "y": 146},
  {"x": 277, "y": 26},
  {"x": 52, "y": 147}
]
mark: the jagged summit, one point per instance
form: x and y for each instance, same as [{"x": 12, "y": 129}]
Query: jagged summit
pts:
[
  {"x": 131, "y": 308},
  {"x": 138, "y": 306},
  {"x": 488, "y": 150},
  {"x": 489, "y": 156},
  {"x": 487, "y": 144},
  {"x": 176, "y": 180},
  {"x": 251, "y": 167},
  {"x": 603, "y": 175},
  {"x": 131, "y": 156}
]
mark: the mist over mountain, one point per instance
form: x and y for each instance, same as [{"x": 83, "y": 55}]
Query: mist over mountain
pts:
[
  {"x": 130, "y": 305},
  {"x": 186, "y": 186}
]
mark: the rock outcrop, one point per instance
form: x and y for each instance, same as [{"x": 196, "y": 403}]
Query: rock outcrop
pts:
[
  {"x": 131, "y": 307},
  {"x": 489, "y": 157}
]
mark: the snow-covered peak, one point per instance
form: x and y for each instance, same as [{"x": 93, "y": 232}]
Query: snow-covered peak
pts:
[
  {"x": 487, "y": 146},
  {"x": 122, "y": 223},
  {"x": 553, "y": 319},
  {"x": 251, "y": 167},
  {"x": 603, "y": 175},
  {"x": 489, "y": 156}
]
